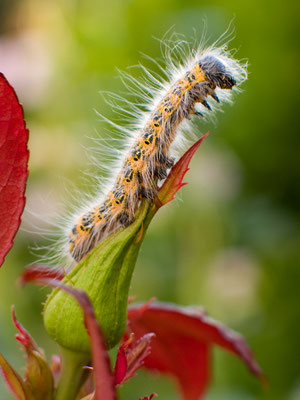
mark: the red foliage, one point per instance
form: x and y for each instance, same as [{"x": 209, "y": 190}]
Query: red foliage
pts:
[
  {"x": 131, "y": 357},
  {"x": 174, "y": 180},
  {"x": 183, "y": 342},
  {"x": 13, "y": 380},
  {"x": 38, "y": 380},
  {"x": 181, "y": 347},
  {"x": 13, "y": 165},
  {"x": 149, "y": 397},
  {"x": 121, "y": 364},
  {"x": 23, "y": 336},
  {"x": 39, "y": 271}
]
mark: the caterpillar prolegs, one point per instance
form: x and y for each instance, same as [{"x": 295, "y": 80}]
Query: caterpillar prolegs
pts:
[{"x": 210, "y": 74}]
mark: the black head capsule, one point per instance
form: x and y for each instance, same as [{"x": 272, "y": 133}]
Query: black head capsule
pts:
[{"x": 215, "y": 72}]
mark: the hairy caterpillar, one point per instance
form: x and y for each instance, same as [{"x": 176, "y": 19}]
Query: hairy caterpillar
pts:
[{"x": 210, "y": 73}]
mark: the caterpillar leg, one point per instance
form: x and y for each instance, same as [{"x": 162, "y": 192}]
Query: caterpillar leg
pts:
[
  {"x": 206, "y": 105},
  {"x": 163, "y": 159},
  {"x": 148, "y": 192},
  {"x": 198, "y": 114},
  {"x": 215, "y": 97},
  {"x": 124, "y": 218},
  {"x": 160, "y": 172}
]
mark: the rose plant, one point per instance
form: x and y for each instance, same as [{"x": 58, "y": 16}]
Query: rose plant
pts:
[{"x": 87, "y": 311}]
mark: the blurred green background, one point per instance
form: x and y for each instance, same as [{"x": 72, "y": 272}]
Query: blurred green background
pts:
[{"x": 231, "y": 242}]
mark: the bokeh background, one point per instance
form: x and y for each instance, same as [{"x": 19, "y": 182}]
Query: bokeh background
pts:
[{"x": 231, "y": 242}]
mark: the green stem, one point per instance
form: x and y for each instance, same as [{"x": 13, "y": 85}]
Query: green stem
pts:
[{"x": 72, "y": 374}]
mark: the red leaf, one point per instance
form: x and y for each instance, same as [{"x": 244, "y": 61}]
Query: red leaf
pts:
[
  {"x": 23, "y": 336},
  {"x": 104, "y": 383},
  {"x": 149, "y": 397},
  {"x": 14, "y": 381},
  {"x": 13, "y": 165},
  {"x": 182, "y": 346},
  {"x": 38, "y": 375},
  {"x": 174, "y": 180},
  {"x": 121, "y": 364},
  {"x": 131, "y": 357},
  {"x": 137, "y": 312},
  {"x": 37, "y": 271}
]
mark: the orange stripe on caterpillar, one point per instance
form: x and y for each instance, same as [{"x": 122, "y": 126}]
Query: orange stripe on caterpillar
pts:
[{"x": 149, "y": 160}]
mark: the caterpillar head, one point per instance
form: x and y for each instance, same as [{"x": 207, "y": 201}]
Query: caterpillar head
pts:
[{"x": 216, "y": 72}]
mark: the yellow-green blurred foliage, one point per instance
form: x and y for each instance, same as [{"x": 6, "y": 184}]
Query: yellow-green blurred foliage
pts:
[{"x": 231, "y": 242}]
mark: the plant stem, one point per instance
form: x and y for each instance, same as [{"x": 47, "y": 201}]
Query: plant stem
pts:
[{"x": 72, "y": 374}]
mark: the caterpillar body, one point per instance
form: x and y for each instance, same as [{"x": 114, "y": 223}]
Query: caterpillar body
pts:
[{"x": 208, "y": 74}]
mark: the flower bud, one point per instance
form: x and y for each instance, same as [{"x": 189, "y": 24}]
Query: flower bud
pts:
[{"x": 105, "y": 275}]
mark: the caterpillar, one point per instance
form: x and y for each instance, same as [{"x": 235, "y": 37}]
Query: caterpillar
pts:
[{"x": 207, "y": 74}]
